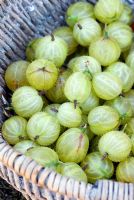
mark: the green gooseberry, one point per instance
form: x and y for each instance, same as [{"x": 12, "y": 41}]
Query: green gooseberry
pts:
[
  {"x": 14, "y": 130},
  {"x": 72, "y": 170},
  {"x": 116, "y": 145},
  {"x": 69, "y": 115},
  {"x": 122, "y": 33},
  {"x": 86, "y": 30},
  {"x": 31, "y": 48},
  {"x": 26, "y": 101},
  {"x": 24, "y": 146},
  {"x": 123, "y": 107},
  {"x": 105, "y": 49},
  {"x": 130, "y": 127},
  {"x": 125, "y": 73},
  {"x": 107, "y": 11},
  {"x": 43, "y": 128},
  {"x": 97, "y": 168},
  {"x": 56, "y": 93},
  {"x": 15, "y": 75},
  {"x": 125, "y": 171},
  {"x": 87, "y": 65},
  {"x": 130, "y": 97},
  {"x": 77, "y": 87},
  {"x": 52, "y": 48},
  {"x": 78, "y": 11},
  {"x": 127, "y": 15},
  {"x": 91, "y": 102},
  {"x": 44, "y": 156},
  {"x": 66, "y": 34},
  {"x": 72, "y": 145},
  {"x": 53, "y": 109},
  {"x": 42, "y": 74},
  {"x": 103, "y": 119}
]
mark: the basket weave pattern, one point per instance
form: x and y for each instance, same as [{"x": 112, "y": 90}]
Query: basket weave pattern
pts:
[{"x": 20, "y": 21}]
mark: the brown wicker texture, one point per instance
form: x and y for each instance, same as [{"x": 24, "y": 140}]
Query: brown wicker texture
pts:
[{"x": 20, "y": 21}]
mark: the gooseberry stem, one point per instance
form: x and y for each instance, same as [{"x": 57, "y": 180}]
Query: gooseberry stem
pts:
[
  {"x": 79, "y": 25},
  {"x": 85, "y": 167},
  {"x": 124, "y": 128},
  {"x": 105, "y": 32},
  {"x": 52, "y": 37},
  {"x": 75, "y": 104},
  {"x": 104, "y": 156},
  {"x": 54, "y": 109},
  {"x": 36, "y": 138}
]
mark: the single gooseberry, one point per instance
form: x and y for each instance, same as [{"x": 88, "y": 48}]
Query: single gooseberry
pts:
[
  {"x": 123, "y": 107},
  {"x": 26, "y": 101},
  {"x": 116, "y": 145},
  {"x": 24, "y": 146},
  {"x": 87, "y": 65},
  {"x": 56, "y": 93},
  {"x": 106, "y": 85},
  {"x": 107, "y": 11},
  {"x": 103, "y": 119},
  {"x": 105, "y": 50},
  {"x": 130, "y": 97},
  {"x": 122, "y": 33},
  {"x": 72, "y": 170},
  {"x": 69, "y": 115},
  {"x": 31, "y": 48},
  {"x": 15, "y": 75},
  {"x": 77, "y": 87},
  {"x": 86, "y": 30},
  {"x": 125, "y": 73},
  {"x": 52, "y": 48},
  {"x": 78, "y": 11},
  {"x": 66, "y": 34},
  {"x": 42, "y": 74},
  {"x": 130, "y": 60},
  {"x": 72, "y": 145},
  {"x": 14, "y": 130},
  {"x": 130, "y": 127},
  {"x": 43, "y": 128},
  {"x": 127, "y": 15},
  {"x": 125, "y": 170},
  {"x": 97, "y": 168},
  {"x": 91, "y": 102},
  {"x": 44, "y": 156}
]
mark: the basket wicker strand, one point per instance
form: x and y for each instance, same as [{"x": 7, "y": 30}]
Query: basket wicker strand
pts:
[{"x": 20, "y": 21}]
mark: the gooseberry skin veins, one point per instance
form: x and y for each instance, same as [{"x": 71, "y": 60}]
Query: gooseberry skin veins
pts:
[
  {"x": 15, "y": 75},
  {"x": 107, "y": 86},
  {"x": 44, "y": 156},
  {"x": 125, "y": 171},
  {"x": 43, "y": 128},
  {"x": 26, "y": 101},
  {"x": 96, "y": 168},
  {"x": 103, "y": 119},
  {"x": 42, "y": 74},
  {"x": 116, "y": 144},
  {"x": 14, "y": 129},
  {"x": 69, "y": 116},
  {"x": 79, "y": 11},
  {"x": 72, "y": 145},
  {"x": 86, "y": 30},
  {"x": 77, "y": 87},
  {"x": 53, "y": 49}
]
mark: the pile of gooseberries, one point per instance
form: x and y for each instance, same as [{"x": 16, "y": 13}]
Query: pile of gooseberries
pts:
[{"x": 72, "y": 103}]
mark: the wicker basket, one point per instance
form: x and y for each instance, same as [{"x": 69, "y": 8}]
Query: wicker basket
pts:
[{"x": 20, "y": 21}]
